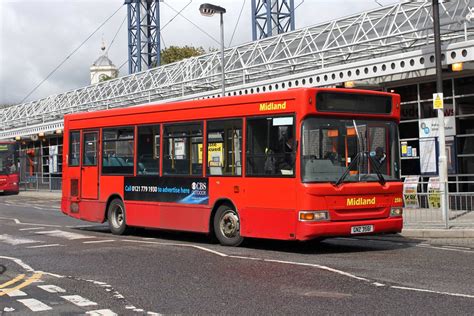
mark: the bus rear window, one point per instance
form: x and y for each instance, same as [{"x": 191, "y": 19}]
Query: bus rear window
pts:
[{"x": 353, "y": 103}]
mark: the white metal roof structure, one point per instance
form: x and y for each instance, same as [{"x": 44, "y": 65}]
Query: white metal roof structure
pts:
[{"x": 382, "y": 43}]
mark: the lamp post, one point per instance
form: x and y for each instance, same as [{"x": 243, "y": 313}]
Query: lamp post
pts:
[
  {"x": 442, "y": 162},
  {"x": 208, "y": 9}
]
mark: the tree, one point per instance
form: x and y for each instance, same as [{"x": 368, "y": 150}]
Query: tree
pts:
[{"x": 176, "y": 53}]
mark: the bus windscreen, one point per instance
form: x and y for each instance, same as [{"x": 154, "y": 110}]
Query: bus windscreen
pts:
[
  {"x": 353, "y": 103},
  {"x": 7, "y": 159}
]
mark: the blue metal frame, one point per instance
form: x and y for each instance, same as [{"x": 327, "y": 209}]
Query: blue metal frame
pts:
[
  {"x": 143, "y": 34},
  {"x": 272, "y": 17}
]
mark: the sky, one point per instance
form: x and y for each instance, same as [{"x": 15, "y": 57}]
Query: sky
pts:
[{"x": 37, "y": 36}]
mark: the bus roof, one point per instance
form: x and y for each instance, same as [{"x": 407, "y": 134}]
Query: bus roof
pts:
[{"x": 292, "y": 93}]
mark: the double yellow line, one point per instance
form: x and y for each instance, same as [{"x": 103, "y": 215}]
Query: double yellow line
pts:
[{"x": 4, "y": 289}]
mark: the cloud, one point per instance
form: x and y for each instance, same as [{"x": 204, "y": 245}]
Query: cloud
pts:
[{"x": 36, "y": 36}]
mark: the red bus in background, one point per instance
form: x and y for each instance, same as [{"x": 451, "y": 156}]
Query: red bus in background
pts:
[
  {"x": 299, "y": 164},
  {"x": 9, "y": 171}
]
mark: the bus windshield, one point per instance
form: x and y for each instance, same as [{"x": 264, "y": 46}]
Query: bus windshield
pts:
[
  {"x": 345, "y": 150},
  {"x": 7, "y": 159}
]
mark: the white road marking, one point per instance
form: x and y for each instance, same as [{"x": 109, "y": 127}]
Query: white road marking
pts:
[
  {"x": 16, "y": 293},
  {"x": 79, "y": 300},
  {"x": 101, "y": 312},
  {"x": 98, "y": 241},
  {"x": 16, "y": 240},
  {"x": 444, "y": 248},
  {"x": 52, "y": 288},
  {"x": 431, "y": 291},
  {"x": 340, "y": 272},
  {"x": 63, "y": 234},
  {"x": 457, "y": 247},
  {"x": 20, "y": 263},
  {"x": 320, "y": 267},
  {"x": 8, "y": 309},
  {"x": 17, "y": 221},
  {"x": 44, "y": 246},
  {"x": 35, "y": 305},
  {"x": 32, "y": 228},
  {"x": 178, "y": 245}
]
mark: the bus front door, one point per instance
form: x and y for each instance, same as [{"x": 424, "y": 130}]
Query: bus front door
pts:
[{"x": 90, "y": 168}]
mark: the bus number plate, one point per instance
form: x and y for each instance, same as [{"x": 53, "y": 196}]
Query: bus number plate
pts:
[{"x": 362, "y": 229}]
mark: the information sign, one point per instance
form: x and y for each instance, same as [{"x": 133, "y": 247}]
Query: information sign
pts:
[
  {"x": 434, "y": 192},
  {"x": 410, "y": 196},
  {"x": 437, "y": 101}
]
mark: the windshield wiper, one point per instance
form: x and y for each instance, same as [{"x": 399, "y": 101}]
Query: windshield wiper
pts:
[
  {"x": 348, "y": 169},
  {"x": 377, "y": 170}
]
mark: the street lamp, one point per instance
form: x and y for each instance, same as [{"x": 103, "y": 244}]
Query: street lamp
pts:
[
  {"x": 208, "y": 9},
  {"x": 442, "y": 162}
]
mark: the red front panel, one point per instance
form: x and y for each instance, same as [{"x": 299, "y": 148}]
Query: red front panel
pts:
[{"x": 350, "y": 205}]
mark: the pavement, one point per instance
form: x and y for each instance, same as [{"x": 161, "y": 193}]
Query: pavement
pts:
[{"x": 462, "y": 235}]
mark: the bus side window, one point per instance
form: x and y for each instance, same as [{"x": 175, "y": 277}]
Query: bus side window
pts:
[
  {"x": 271, "y": 146},
  {"x": 148, "y": 150},
  {"x": 118, "y": 150},
  {"x": 74, "y": 148},
  {"x": 182, "y": 149},
  {"x": 224, "y": 147}
]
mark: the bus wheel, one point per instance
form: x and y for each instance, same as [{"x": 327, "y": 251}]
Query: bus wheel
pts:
[
  {"x": 227, "y": 226},
  {"x": 116, "y": 217}
]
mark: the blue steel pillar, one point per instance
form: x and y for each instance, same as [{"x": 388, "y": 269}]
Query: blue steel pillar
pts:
[
  {"x": 143, "y": 34},
  {"x": 272, "y": 17}
]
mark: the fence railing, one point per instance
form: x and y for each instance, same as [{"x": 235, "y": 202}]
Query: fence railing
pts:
[
  {"x": 37, "y": 183},
  {"x": 460, "y": 212}
]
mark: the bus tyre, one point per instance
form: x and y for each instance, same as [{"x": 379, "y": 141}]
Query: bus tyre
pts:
[
  {"x": 227, "y": 226},
  {"x": 116, "y": 217}
]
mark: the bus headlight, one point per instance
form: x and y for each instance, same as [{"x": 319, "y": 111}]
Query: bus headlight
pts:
[
  {"x": 313, "y": 216},
  {"x": 396, "y": 211}
]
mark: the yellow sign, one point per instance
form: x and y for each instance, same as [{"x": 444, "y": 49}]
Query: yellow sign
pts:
[
  {"x": 434, "y": 193},
  {"x": 438, "y": 101},
  {"x": 360, "y": 201},
  {"x": 215, "y": 154},
  {"x": 270, "y": 106}
]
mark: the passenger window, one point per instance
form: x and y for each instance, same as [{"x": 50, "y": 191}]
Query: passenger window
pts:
[
  {"x": 74, "y": 148},
  {"x": 118, "y": 149},
  {"x": 148, "y": 150},
  {"x": 271, "y": 146},
  {"x": 182, "y": 149},
  {"x": 224, "y": 147},
  {"x": 89, "y": 154}
]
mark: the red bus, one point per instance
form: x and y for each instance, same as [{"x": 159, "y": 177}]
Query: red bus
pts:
[
  {"x": 299, "y": 164},
  {"x": 9, "y": 172}
]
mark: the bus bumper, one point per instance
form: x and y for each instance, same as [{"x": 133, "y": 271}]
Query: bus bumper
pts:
[{"x": 307, "y": 231}]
